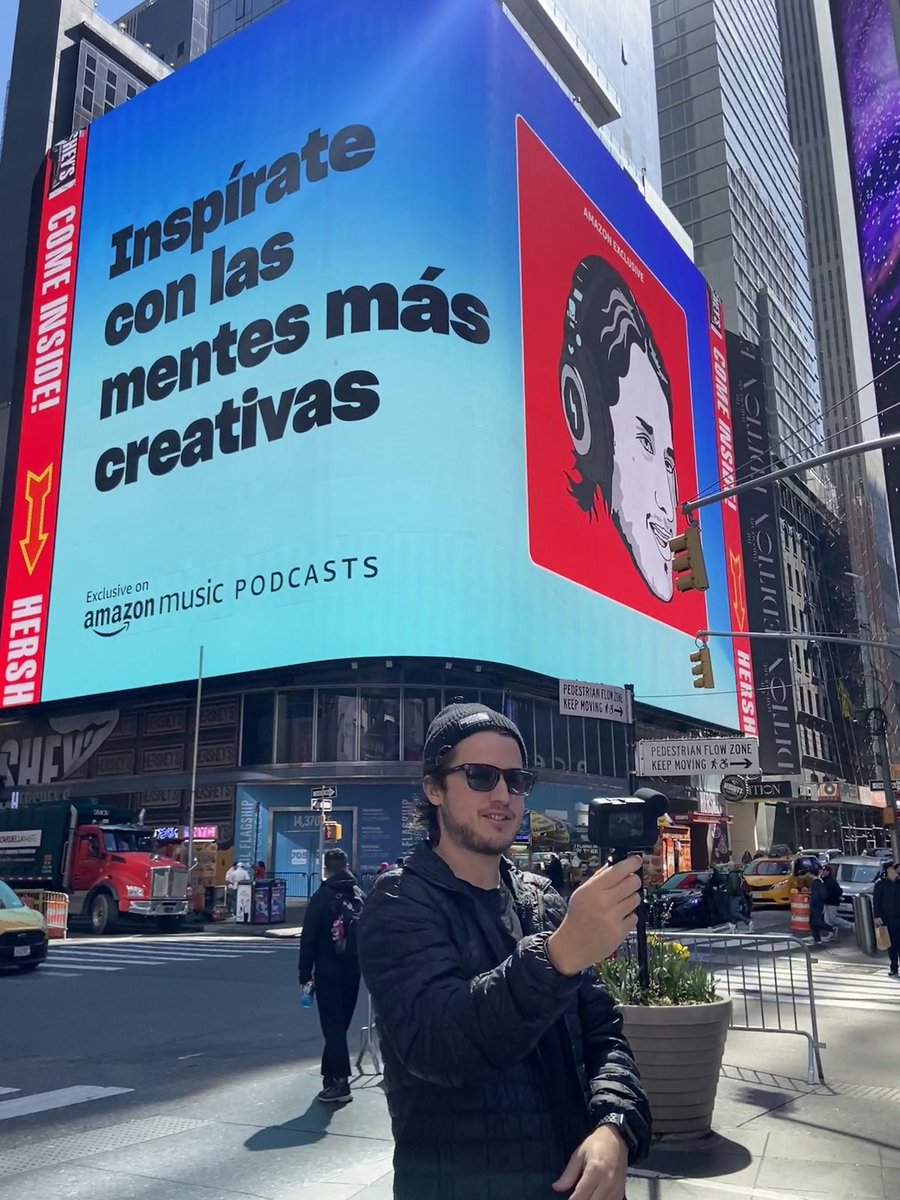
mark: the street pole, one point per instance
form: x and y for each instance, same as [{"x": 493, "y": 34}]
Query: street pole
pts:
[
  {"x": 321, "y": 864},
  {"x": 190, "y": 853},
  {"x": 738, "y": 489},
  {"x": 786, "y": 635},
  {"x": 643, "y": 950}
]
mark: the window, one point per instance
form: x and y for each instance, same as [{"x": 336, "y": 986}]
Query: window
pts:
[
  {"x": 338, "y": 723},
  {"x": 560, "y": 742},
  {"x": 543, "y": 735},
  {"x": 294, "y": 742},
  {"x": 379, "y": 724},
  {"x": 420, "y": 707},
  {"x": 180, "y": 49},
  {"x": 522, "y": 713},
  {"x": 258, "y": 728}
]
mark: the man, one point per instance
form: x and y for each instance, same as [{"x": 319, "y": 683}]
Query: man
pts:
[
  {"x": 886, "y": 905},
  {"x": 617, "y": 401},
  {"x": 817, "y": 897},
  {"x": 329, "y": 960},
  {"x": 506, "y": 1072},
  {"x": 236, "y": 873},
  {"x": 834, "y": 893},
  {"x": 737, "y": 909}
]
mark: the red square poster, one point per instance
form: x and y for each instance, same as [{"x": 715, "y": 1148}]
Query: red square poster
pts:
[{"x": 608, "y": 422}]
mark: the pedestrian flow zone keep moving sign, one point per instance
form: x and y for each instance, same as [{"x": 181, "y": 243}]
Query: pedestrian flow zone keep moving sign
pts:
[{"x": 698, "y": 756}]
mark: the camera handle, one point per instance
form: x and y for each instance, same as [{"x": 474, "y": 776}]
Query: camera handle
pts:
[{"x": 643, "y": 952}]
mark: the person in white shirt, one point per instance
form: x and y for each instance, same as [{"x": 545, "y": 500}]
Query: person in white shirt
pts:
[{"x": 237, "y": 873}]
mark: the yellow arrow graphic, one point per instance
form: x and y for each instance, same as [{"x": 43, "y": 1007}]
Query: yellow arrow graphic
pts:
[{"x": 37, "y": 489}]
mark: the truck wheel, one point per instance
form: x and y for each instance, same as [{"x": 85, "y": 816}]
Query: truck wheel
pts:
[
  {"x": 170, "y": 924},
  {"x": 103, "y": 914}
]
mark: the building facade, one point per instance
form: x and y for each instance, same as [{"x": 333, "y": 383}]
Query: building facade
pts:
[
  {"x": 730, "y": 176},
  {"x": 68, "y": 67},
  {"x": 177, "y": 31},
  {"x": 845, "y": 363}
]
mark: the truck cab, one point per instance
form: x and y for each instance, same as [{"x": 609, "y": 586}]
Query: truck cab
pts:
[{"x": 113, "y": 871}]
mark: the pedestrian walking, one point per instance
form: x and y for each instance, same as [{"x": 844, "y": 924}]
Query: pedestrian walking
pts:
[
  {"x": 505, "y": 1067},
  {"x": 556, "y": 875},
  {"x": 259, "y": 872},
  {"x": 817, "y": 922},
  {"x": 886, "y": 905},
  {"x": 746, "y": 857},
  {"x": 329, "y": 961},
  {"x": 834, "y": 893},
  {"x": 736, "y": 902}
]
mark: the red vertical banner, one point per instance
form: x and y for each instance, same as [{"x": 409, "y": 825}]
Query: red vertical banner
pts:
[
  {"x": 30, "y": 564},
  {"x": 731, "y": 524}
]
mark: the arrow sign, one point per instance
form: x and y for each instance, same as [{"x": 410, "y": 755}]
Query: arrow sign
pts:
[
  {"x": 697, "y": 756},
  {"x": 602, "y": 701},
  {"x": 37, "y": 490}
]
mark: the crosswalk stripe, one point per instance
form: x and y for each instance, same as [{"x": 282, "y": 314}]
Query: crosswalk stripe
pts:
[
  {"x": 61, "y": 1098},
  {"x": 72, "y": 960},
  {"x": 8, "y": 1091},
  {"x": 834, "y": 986},
  {"x": 47, "y": 965}
]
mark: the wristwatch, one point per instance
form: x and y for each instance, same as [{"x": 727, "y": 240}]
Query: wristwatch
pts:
[{"x": 619, "y": 1122}]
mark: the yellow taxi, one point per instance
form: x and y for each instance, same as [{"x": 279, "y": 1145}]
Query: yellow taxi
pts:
[
  {"x": 23, "y": 932},
  {"x": 772, "y": 880}
]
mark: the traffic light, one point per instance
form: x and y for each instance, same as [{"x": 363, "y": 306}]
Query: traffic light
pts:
[
  {"x": 333, "y": 831},
  {"x": 702, "y": 669},
  {"x": 688, "y": 567}
]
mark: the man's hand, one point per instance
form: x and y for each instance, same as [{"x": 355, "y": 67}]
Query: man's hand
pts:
[
  {"x": 878, "y": 921},
  {"x": 602, "y": 913},
  {"x": 598, "y": 1167}
]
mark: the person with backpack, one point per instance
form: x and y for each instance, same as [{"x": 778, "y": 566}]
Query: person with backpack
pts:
[
  {"x": 329, "y": 963},
  {"x": 737, "y": 909}
]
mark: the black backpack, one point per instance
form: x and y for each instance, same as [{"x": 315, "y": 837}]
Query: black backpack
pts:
[{"x": 348, "y": 904}]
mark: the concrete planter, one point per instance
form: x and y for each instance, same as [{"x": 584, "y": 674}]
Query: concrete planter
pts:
[{"x": 678, "y": 1051}]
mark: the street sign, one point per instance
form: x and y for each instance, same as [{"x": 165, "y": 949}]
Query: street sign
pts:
[
  {"x": 323, "y": 797},
  {"x": 770, "y": 789},
  {"x": 734, "y": 787},
  {"x": 698, "y": 756},
  {"x": 603, "y": 701}
]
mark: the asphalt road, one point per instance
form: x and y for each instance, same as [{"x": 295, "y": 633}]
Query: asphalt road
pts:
[{"x": 168, "y": 1068}]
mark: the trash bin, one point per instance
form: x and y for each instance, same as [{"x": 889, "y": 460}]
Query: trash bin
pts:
[
  {"x": 864, "y": 924},
  {"x": 244, "y": 903},
  {"x": 269, "y": 902}
]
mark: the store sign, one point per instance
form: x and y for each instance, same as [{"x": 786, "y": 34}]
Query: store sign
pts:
[
  {"x": 734, "y": 787},
  {"x": 599, "y": 700},
  {"x": 764, "y": 584},
  {"x": 773, "y": 789},
  {"x": 34, "y": 754}
]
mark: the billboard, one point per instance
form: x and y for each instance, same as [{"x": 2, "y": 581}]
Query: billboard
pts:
[
  {"x": 779, "y": 751},
  {"x": 866, "y": 44},
  {"x": 318, "y": 403}
]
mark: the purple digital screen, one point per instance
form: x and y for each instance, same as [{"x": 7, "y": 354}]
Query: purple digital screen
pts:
[{"x": 866, "y": 47}]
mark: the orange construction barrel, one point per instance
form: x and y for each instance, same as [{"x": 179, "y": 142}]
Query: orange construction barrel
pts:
[{"x": 800, "y": 912}]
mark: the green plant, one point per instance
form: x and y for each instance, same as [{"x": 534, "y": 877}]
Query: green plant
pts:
[{"x": 674, "y": 978}]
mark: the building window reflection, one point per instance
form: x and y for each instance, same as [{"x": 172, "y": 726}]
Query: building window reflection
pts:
[
  {"x": 294, "y": 743},
  {"x": 379, "y": 724},
  {"x": 338, "y": 716}
]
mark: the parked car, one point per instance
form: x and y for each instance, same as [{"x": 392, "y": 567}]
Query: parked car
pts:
[
  {"x": 680, "y": 901},
  {"x": 23, "y": 932},
  {"x": 857, "y": 877},
  {"x": 772, "y": 880}
]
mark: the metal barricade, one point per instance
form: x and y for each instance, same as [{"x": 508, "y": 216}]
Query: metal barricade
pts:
[
  {"x": 298, "y": 884},
  {"x": 53, "y": 907},
  {"x": 769, "y": 979},
  {"x": 368, "y": 1043}
]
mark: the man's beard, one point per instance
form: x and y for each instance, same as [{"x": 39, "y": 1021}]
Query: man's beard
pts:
[{"x": 467, "y": 838}]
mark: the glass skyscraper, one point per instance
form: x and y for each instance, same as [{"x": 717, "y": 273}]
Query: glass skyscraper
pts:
[{"x": 730, "y": 175}]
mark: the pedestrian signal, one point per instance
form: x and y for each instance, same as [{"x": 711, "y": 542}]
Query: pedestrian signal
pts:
[
  {"x": 688, "y": 567},
  {"x": 333, "y": 831},
  {"x": 702, "y": 668}
]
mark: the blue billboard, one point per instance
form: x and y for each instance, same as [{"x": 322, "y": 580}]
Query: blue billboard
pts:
[{"x": 374, "y": 351}]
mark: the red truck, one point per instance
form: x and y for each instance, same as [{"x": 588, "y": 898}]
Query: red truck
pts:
[{"x": 97, "y": 854}]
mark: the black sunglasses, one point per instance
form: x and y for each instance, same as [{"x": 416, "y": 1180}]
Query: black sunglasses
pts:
[{"x": 482, "y": 777}]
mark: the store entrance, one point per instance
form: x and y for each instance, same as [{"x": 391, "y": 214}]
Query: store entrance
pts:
[{"x": 295, "y": 847}]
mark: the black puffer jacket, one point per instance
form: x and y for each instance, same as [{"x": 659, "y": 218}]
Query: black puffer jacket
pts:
[
  {"x": 465, "y": 1029},
  {"x": 886, "y": 901},
  {"x": 317, "y": 947}
]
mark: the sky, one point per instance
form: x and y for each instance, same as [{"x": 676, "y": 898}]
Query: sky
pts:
[{"x": 111, "y": 9}]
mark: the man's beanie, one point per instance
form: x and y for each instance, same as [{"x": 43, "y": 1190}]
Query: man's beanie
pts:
[{"x": 458, "y": 721}]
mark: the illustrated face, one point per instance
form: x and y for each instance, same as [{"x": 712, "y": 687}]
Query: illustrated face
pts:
[{"x": 642, "y": 494}]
